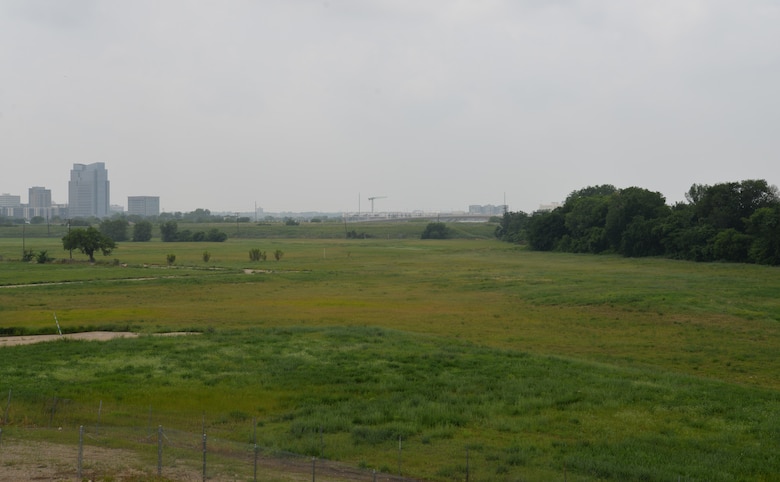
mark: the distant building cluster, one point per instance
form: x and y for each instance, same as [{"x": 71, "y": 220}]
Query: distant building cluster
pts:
[
  {"x": 89, "y": 194},
  {"x": 488, "y": 209},
  {"x": 544, "y": 208}
]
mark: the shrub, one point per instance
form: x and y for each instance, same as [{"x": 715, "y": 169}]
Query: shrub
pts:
[
  {"x": 171, "y": 258},
  {"x": 206, "y": 256},
  {"x": 436, "y": 231},
  {"x": 43, "y": 257}
]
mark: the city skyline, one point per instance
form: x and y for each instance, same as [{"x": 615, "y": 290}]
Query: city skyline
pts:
[{"x": 86, "y": 177}]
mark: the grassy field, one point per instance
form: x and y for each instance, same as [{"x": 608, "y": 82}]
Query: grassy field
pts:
[{"x": 609, "y": 368}]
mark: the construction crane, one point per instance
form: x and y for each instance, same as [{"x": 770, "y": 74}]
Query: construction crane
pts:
[{"x": 372, "y": 201}]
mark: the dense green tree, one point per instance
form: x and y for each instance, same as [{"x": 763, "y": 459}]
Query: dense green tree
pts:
[
  {"x": 585, "y": 221},
  {"x": 88, "y": 241},
  {"x": 764, "y": 226},
  {"x": 737, "y": 221},
  {"x": 627, "y": 205},
  {"x": 512, "y": 227},
  {"x": 435, "y": 231},
  {"x": 642, "y": 237},
  {"x": 215, "y": 235},
  {"x": 115, "y": 229},
  {"x": 731, "y": 245},
  {"x": 545, "y": 230},
  {"x": 185, "y": 235},
  {"x": 201, "y": 216},
  {"x": 590, "y": 191},
  {"x": 169, "y": 231},
  {"x": 142, "y": 231},
  {"x": 729, "y": 205}
]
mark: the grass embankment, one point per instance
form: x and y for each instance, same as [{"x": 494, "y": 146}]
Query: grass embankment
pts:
[{"x": 614, "y": 368}]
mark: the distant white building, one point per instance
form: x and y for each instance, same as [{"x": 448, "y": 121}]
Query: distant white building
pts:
[
  {"x": 143, "y": 205},
  {"x": 10, "y": 201},
  {"x": 543, "y": 208},
  {"x": 487, "y": 209}
]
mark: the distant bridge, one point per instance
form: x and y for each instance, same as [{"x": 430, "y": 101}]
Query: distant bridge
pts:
[{"x": 439, "y": 217}]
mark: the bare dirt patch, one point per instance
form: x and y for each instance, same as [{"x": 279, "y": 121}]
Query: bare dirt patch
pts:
[{"x": 89, "y": 335}]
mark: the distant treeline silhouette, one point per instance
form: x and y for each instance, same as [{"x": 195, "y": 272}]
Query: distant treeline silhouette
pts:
[{"x": 734, "y": 221}]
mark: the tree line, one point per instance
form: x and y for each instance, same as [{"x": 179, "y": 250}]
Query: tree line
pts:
[
  {"x": 733, "y": 221},
  {"x": 104, "y": 238}
]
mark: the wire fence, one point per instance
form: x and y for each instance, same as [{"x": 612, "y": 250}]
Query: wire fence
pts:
[
  {"x": 73, "y": 441},
  {"x": 83, "y": 454},
  {"x": 52, "y": 438}
]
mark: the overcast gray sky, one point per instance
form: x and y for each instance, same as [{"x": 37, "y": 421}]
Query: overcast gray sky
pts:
[{"x": 301, "y": 105}]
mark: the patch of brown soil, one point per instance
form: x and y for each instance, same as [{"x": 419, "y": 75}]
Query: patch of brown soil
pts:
[{"x": 89, "y": 335}]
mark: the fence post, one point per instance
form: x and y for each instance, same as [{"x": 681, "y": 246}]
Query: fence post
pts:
[
  {"x": 313, "y": 471},
  {"x": 7, "y": 405},
  {"x": 149, "y": 424},
  {"x": 255, "y": 479},
  {"x": 159, "y": 450},
  {"x": 204, "y": 457},
  {"x": 97, "y": 427},
  {"x": 467, "y": 464},
  {"x": 53, "y": 409},
  {"x": 399, "y": 457},
  {"x": 81, "y": 451},
  {"x": 254, "y": 442}
]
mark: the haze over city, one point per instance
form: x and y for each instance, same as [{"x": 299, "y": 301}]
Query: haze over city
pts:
[{"x": 311, "y": 105}]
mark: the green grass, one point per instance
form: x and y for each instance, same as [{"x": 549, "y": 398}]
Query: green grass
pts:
[{"x": 614, "y": 368}]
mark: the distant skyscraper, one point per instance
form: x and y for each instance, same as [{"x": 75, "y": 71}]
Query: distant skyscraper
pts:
[
  {"x": 39, "y": 197},
  {"x": 88, "y": 191},
  {"x": 143, "y": 205}
]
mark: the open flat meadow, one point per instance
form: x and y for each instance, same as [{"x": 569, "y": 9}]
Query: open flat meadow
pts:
[{"x": 486, "y": 360}]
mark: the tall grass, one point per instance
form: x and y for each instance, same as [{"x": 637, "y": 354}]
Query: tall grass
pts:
[
  {"x": 614, "y": 368},
  {"x": 522, "y": 415}
]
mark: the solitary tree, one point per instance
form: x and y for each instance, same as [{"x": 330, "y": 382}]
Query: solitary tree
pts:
[
  {"x": 169, "y": 231},
  {"x": 142, "y": 231},
  {"x": 436, "y": 231},
  {"x": 88, "y": 241}
]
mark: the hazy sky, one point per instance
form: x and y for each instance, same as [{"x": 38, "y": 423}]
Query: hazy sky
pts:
[{"x": 301, "y": 105}]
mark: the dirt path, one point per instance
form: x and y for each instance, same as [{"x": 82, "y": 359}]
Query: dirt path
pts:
[{"x": 89, "y": 335}]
